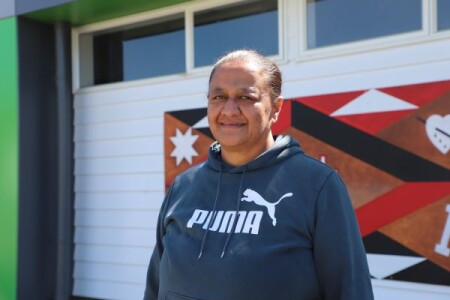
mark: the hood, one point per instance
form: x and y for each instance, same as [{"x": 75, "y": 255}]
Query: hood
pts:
[{"x": 284, "y": 147}]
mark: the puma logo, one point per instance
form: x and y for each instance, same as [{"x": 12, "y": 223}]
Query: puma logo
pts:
[{"x": 252, "y": 196}]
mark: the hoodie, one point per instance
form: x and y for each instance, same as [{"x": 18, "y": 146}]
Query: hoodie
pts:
[{"x": 280, "y": 227}]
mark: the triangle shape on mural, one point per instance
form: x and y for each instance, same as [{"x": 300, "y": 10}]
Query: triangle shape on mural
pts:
[
  {"x": 384, "y": 265},
  {"x": 329, "y": 103},
  {"x": 373, "y": 101},
  {"x": 203, "y": 123},
  {"x": 419, "y": 94},
  {"x": 373, "y": 123},
  {"x": 189, "y": 116},
  {"x": 424, "y": 272}
]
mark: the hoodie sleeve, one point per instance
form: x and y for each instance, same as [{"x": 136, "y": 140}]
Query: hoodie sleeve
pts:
[
  {"x": 152, "y": 283},
  {"x": 339, "y": 253}
]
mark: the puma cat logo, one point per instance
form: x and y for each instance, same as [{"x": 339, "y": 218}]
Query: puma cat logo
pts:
[{"x": 252, "y": 196}]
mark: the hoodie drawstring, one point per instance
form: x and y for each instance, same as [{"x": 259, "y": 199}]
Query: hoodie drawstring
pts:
[
  {"x": 213, "y": 216},
  {"x": 233, "y": 227}
]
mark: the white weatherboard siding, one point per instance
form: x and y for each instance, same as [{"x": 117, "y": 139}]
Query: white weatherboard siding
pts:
[
  {"x": 119, "y": 182},
  {"x": 119, "y": 169}
]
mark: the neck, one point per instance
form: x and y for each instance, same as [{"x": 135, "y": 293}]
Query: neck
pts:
[{"x": 239, "y": 157}]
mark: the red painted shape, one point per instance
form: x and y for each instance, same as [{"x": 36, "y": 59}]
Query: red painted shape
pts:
[
  {"x": 398, "y": 203},
  {"x": 419, "y": 94},
  {"x": 284, "y": 119},
  {"x": 372, "y": 123},
  {"x": 329, "y": 103}
]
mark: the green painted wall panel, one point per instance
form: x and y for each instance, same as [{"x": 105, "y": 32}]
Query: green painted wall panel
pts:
[
  {"x": 9, "y": 153},
  {"x": 89, "y": 11}
]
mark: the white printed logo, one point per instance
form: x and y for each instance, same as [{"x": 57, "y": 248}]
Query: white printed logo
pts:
[
  {"x": 442, "y": 248},
  {"x": 252, "y": 196},
  {"x": 438, "y": 131},
  {"x": 247, "y": 222}
]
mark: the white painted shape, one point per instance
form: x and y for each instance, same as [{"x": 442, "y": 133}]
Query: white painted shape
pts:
[
  {"x": 149, "y": 200},
  {"x": 107, "y": 289},
  {"x": 442, "y": 248},
  {"x": 184, "y": 146},
  {"x": 399, "y": 290},
  {"x": 382, "y": 265},
  {"x": 438, "y": 132},
  {"x": 117, "y": 219},
  {"x": 373, "y": 101},
  {"x": 203, "y": 123},
  {"x": 115, "y": 236}
]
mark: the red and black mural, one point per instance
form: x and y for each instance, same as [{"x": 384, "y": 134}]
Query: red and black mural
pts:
[{"x": 392, "y": 148}]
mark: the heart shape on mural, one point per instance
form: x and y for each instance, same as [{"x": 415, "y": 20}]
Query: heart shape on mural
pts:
[{"x": 438, "y": 131}]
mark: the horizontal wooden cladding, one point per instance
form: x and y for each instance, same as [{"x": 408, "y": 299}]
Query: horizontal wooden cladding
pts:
[
  {"x": 108, "y": 148},
  {"x": 119, "y": 130},
  {"x": 161, "y": 91},
  {"x": 110, "y": 272},
  {"x": 132, "y": 110},
  {"x": 129, "y": 255},
  {"x": 116, "y": 219},
  {"x": 108, "y": 290},
  {"x": 115, "y": 237},
  {"x": 120, "y": 165},
  {"x": 149, "y": 200},
  {"x": 417, "y": 63},
  {"x": 119, "y": 183}
]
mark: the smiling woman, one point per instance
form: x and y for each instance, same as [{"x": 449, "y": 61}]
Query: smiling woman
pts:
[
  {"x": 240, "y": 110},
  {"x": 272, "y": 235}
]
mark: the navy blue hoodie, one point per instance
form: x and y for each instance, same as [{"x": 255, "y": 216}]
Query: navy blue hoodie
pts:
[{"x": 280, "y": 227}]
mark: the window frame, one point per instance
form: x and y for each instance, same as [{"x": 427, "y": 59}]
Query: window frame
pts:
[
  {"x": 82, "y": 59},
  {"x": 427, "y": 33},
  {"x": 292, "y": 42}
]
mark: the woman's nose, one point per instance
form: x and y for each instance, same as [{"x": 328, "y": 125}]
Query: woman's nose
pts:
[{"x": 231, "y": 107}]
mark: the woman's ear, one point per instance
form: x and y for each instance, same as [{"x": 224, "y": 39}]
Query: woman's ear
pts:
[{"x": 277, "y": 104}]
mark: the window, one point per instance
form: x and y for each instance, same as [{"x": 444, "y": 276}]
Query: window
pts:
[
  {"x": 443, "y": 9},
  {"x": 250, "y": 25},
  {"x": 332, "y": 22},
  {"x": 147, "y": 51}
]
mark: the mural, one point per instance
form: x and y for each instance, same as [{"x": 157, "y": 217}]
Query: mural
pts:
[{"x": 392, "y": 148}]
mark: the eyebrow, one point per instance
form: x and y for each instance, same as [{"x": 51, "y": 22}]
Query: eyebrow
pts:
[{"x": 245, "y": 90}]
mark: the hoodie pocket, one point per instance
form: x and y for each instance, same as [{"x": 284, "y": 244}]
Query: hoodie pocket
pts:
[{"x": 173, "y": 296}]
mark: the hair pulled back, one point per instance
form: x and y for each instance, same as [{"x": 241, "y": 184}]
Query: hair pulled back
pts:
[{"x": 268, "y": 68}]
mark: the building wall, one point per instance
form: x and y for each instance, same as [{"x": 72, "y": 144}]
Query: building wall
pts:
[{"x": 119, "y": 153}]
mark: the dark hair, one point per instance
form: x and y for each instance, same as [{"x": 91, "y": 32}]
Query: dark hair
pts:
[{"x": 268, "y": 68}]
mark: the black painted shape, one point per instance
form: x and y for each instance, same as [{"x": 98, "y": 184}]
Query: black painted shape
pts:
[
  {"x": 424, "y": 272},
  {"x": 378, "y": 243},
  {"x": 190, "y": 116},
  {"x": 381, "y": 154}
]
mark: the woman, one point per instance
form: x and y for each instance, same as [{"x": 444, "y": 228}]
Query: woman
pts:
[{"x": 259, "y": 219}]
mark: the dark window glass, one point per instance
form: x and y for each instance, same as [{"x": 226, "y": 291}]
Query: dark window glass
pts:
[
  {"x": 443, "y": 9},
  {"x": 331, "y": 22},
  {"x": 148, "y": 51},
  {"x": 252, "y": 25}
]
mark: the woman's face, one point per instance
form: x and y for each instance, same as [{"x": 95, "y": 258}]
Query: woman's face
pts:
[{"x": 240, "y": 111}]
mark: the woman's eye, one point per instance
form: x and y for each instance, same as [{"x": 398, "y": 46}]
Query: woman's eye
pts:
[{"x": 246, "y": 98}]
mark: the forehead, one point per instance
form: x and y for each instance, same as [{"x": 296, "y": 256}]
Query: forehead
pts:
[{"x": 237, "y": 74}]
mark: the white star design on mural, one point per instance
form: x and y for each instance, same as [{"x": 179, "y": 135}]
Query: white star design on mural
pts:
[{"x": 184, "y": 146}]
